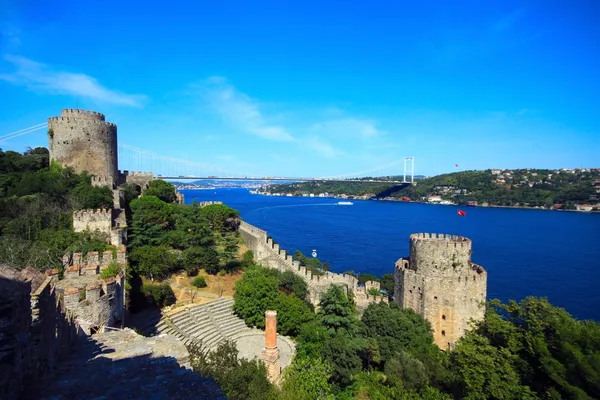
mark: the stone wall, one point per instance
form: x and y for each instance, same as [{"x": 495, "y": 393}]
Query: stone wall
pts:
[
  {"x": 95, "y": 303},
  {"x": 269, "y": 253},
  {"x": 440, "y": 282},
  {"x": 36, "y": 331},
  {"x": 84, "y": 141},
  {"x": 99, "y": 221},
  {"x": 141, "y": 179}
]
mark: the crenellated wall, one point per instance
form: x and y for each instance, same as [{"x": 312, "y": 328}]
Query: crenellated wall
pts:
[
  {"x": 440, "y": 282},
  {"x": 84, "y": 141},
  {"x": 141, "y": 179},
  {"x": 270, "y": 254}
]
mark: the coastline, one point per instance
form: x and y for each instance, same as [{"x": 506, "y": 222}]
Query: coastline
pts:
[{"x": 351, "y": 197}]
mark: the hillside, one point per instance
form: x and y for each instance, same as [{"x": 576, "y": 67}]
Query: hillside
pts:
[{"x": 522, "y": 187}]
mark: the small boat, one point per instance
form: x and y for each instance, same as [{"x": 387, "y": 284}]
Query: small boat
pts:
[{"x": 345, "y": 203}]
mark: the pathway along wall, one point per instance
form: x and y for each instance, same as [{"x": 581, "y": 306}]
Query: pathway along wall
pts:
[{"x": 268, "y": 253}]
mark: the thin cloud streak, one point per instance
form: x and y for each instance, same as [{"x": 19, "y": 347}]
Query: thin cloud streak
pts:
[
  {"x": 240, "y": 111},
  {"x": 42, "y": 77}
]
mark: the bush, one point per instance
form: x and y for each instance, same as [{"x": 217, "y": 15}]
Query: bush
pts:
[
  {"x": 159, "y": 294},
  {"x": 199, "y": 282},
  {"x": 112, "y": 270},
  {"x": 374, "y": 291}
]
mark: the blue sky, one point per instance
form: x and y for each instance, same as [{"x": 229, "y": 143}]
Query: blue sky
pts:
[{"x": 313, "y": 89}]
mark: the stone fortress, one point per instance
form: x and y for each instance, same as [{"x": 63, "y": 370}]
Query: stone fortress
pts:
[
  {"x": 439, "y": 281},
  {"x": 85, "y": 141}
]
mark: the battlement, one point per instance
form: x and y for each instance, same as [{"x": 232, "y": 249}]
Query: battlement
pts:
[
  {"x": 76, "y": 112},
  {"x": 139, "y": 174},
  {"x": 92, "y": 215},
  {"x": 440, "y": 239},
  {"x": 55, "y": 120},
  {"x": 101, "y": 181}
]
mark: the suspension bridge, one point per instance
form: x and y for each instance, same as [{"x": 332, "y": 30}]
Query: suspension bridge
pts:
[{"x": 133, "y": 158}]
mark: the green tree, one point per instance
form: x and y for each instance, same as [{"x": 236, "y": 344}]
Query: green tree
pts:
[
  {"x": 337, "y": 311},
  {"x": 161, "y": 189},
  {"x": 254, "y": 294},
  {"x": 486, "y": 372},
  {"x": 154, "y": 262},
  {"x": 307, "y": 379},
  {"x": 239, "y": 379},
  {"x": 152, "y": 217},
  {"x": 342, "y": 352},
  {"x": 195, "y": 258},
  {"x": 396, "y": 330},
  {"x": 220, "y": 217},
  {"x": 387, "y": 284},
  {"x": 292, "y": 313}
]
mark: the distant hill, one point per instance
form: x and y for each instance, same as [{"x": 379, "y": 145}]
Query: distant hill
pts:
[{"x": 519, "y": 187}]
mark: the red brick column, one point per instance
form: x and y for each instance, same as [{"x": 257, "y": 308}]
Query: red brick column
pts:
[{"x": 270, "y": 354}]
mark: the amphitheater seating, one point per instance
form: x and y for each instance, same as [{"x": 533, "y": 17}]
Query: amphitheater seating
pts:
[{"x": 208, "y": 324}]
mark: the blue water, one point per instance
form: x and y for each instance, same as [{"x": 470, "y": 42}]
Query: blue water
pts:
[{"x": 526, "y": 252}]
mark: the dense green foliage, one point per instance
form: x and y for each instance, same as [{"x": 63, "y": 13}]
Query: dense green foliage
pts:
[
  {"x": 167, "y": 236},
  {"x": 524, "y": 350},
  {"x": 262, "y": 289},
  {"x": 112, "y": 270},
  {"x": 37, "y": 201},
  {"x": 199, "y": 282},
  {"x": 159, "y": 294},
  {"x": 239, "y": 379},
  {"x": 522, "y": 187},
  {"x": 161, "y": 189},
  {"x": 333, "y": 188}
]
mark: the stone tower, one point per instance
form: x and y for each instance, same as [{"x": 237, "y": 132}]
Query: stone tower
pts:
[
  {"x": 84, "y": 141},
  {"x": 440, "y": 282}
]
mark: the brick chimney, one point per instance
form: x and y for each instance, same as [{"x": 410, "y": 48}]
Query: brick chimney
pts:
[{"x": 270, "y": 354}]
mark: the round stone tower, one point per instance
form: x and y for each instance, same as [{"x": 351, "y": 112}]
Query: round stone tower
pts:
[
  {"x": 440, "y": 282},
  {"x": 84, "y": 141}
]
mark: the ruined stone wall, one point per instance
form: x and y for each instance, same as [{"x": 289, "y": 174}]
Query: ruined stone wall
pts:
[
  {"x": 36, "y": 332},
  {"x": 84, "y": 141},
  {"x": 269, "y": 253},
  {"x": 92, "y": 301},
  {"x": 440, "y": 282}
]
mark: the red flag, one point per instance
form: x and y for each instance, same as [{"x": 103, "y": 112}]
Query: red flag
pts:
[{"x": 461, "y": 213}]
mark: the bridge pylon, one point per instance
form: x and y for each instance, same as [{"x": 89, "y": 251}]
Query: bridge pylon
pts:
[{"x": 410, "y": 170}]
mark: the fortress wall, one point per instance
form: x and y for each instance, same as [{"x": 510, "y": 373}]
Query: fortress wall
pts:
[
  {"x": 99, "y": 221},
  {"x": 84, "y": 141},
  {"x": 270, "y": 254},
  {"x": 141, "y": 179}
]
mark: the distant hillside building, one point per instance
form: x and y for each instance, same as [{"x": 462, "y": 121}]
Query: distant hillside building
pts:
[{"x": 439, "y": 281}]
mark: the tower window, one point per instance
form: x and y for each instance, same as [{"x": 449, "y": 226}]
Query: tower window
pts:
[
  {"x": 443, "y": 317},
  {"x": 435, "y": 297},
  {"x": 443, "y": 333}
]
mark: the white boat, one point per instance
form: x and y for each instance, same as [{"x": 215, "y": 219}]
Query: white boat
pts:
[{"x": 345, "y": 203}]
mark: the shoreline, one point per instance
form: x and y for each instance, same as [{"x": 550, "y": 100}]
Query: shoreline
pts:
[{"x": 435, "y": 204}]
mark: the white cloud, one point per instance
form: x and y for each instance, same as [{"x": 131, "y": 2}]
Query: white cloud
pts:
[
  {"x": 325, "y": 149},
  {"x": 347, "y": 127},
  {"x": 42, "y": 77},
  {"x": 242, "y": 112}
]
